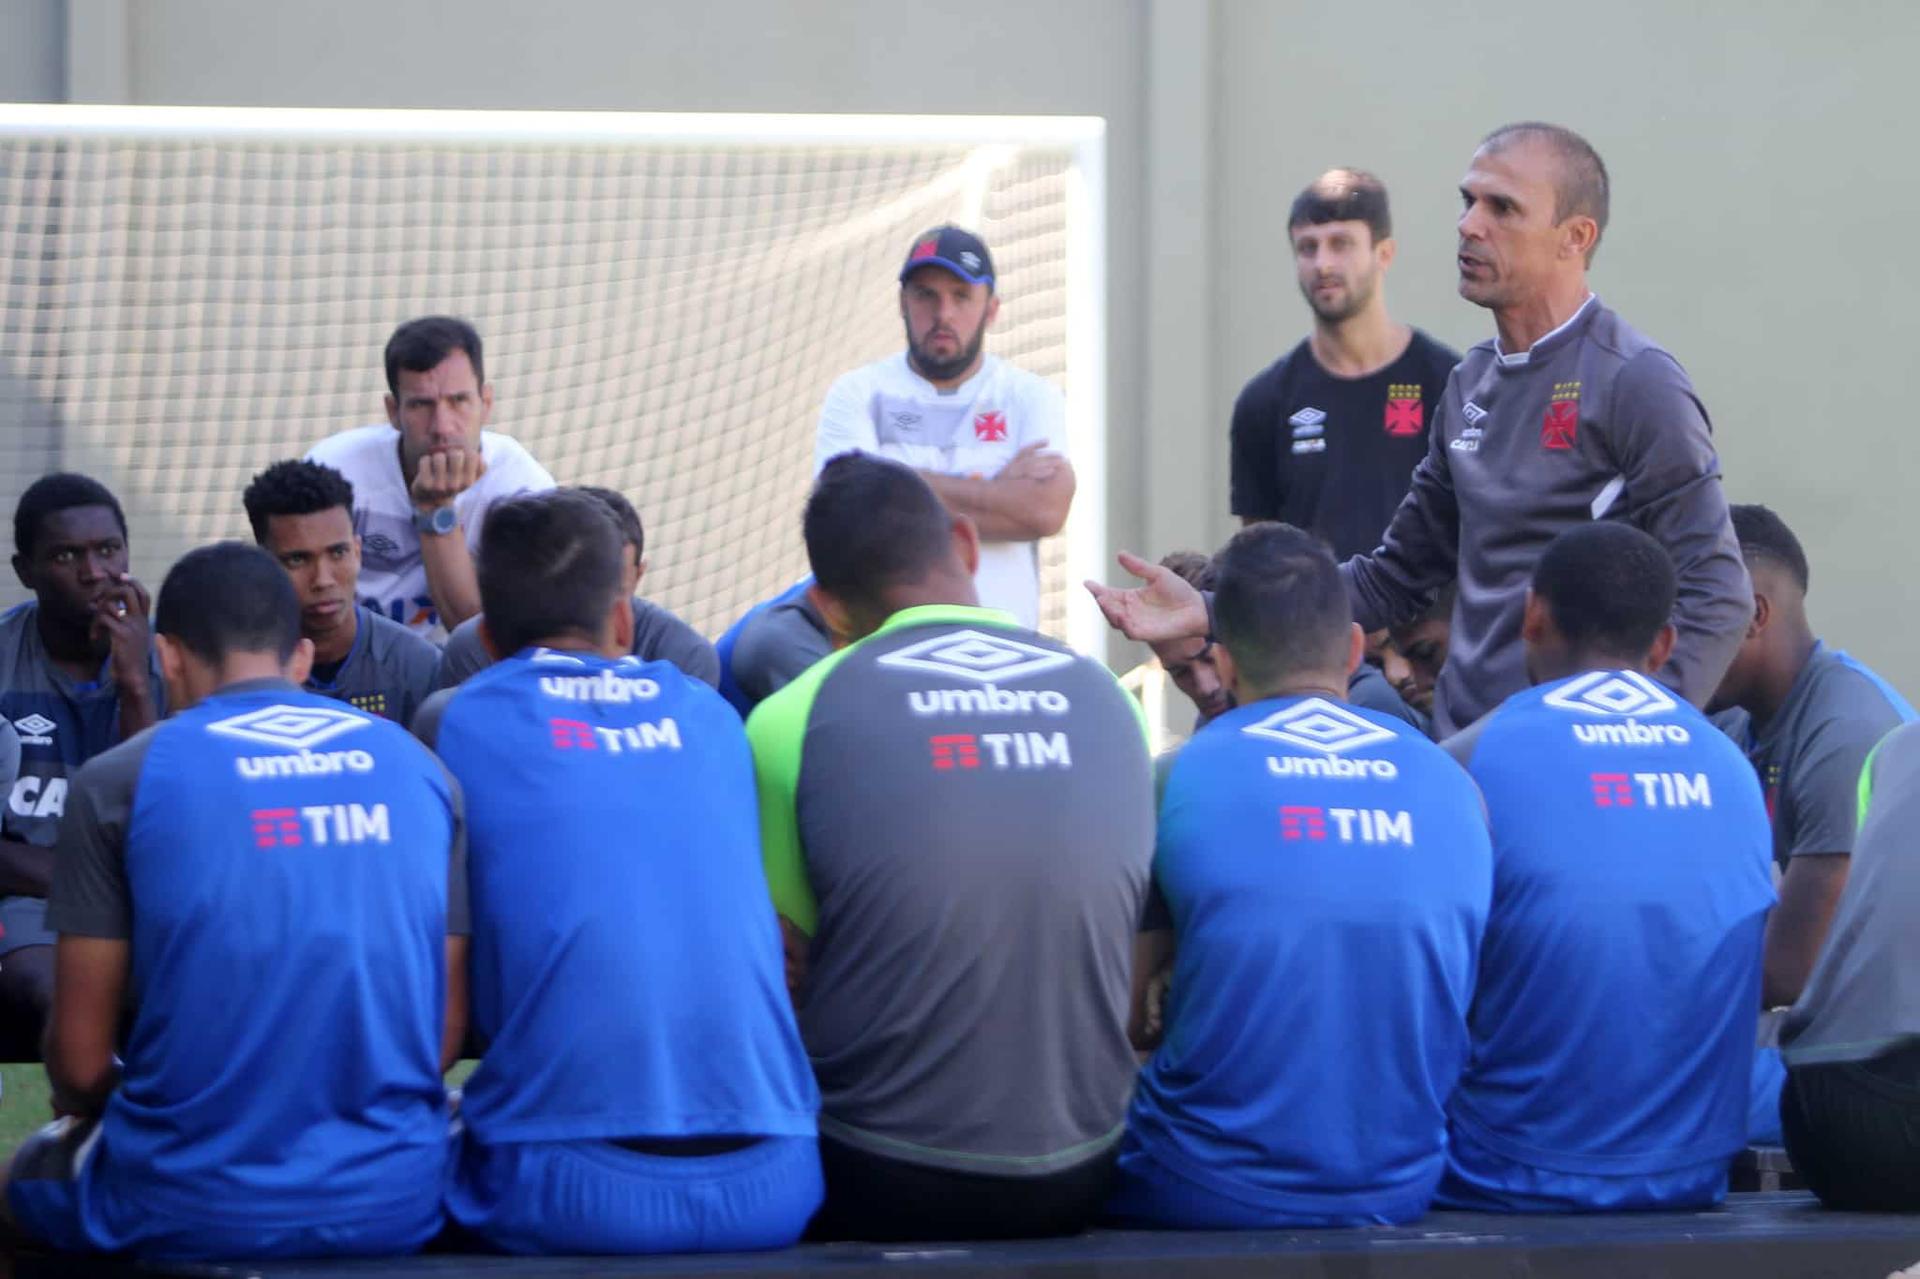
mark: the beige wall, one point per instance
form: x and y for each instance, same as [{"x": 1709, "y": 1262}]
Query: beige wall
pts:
[{"x": 1762, "y": 197}]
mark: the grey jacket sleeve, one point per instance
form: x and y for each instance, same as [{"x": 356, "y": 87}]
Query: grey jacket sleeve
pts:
[
  {"x": 1420, "y": 551},
  {"x": 1663, "y": 446}
]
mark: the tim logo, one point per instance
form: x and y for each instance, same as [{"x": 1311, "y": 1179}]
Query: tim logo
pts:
[
  {"x": 1561, "y": 426},
  {"x": 572, "y": 735},
  {"x": 1652, "y": 790},
  {"x": 977, "y": 656},
  {"x": 1617, "y": 693},
  {"x": 1612, "y": 790},
  {"x": 576, "y": 735},
  {"x": 1320, "y": 725},
  {"x": 1299, "y": 821},
  {"x": 1406, "y": 410},
  {"x": 990, "y": 425},
  {"x": 290, "y": 727},
  {"x": 1346, "y": 825},
  {"x": 954, "y": 750},
  {"x": 35, "y": 730},
  {"x": 321, "y": 825}
]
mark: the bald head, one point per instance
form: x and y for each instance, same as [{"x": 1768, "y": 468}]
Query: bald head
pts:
[{"x": 1580, "y": 184}]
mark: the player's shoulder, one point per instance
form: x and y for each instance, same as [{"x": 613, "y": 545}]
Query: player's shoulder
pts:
[
  {"x": 510, "y": 465},
  {"x": 1270, "y": 384},
  {"x": 358, "y": 449},
  {"x": 391, "y": 643},
  {"x": 1841, "y": 690},
  {"x": 889, "y": 372},
  {"x": 1435, "y": 355},
  {"x": 1617, "y": 347},
  {"x": 1008, "y": 378}
]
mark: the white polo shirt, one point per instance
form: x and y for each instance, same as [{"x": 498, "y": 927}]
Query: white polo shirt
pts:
[
  {"x": 888, "y": 409},
  {"x": 393, "y": 580}
]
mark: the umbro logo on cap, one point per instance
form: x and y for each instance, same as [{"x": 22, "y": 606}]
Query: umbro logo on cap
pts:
[
  {"x": 977, "y": 656},
  {"x": 1320, "y": 725},
  {"x": 290, "y": 727},
  {"x": 1611, "y": 693}
]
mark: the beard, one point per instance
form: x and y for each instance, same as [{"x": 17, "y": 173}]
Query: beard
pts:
[
  {"x": 934, "y": 369},
  {"x": 1344, "y": 307}
]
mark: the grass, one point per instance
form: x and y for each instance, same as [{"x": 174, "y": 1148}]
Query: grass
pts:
[{"x": 23, "y": 1107}]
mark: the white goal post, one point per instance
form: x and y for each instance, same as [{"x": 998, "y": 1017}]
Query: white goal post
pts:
[{"x": 188, "y": 294}]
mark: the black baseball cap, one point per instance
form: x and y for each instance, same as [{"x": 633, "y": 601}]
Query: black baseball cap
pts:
[{"x": 961, "y": 252}]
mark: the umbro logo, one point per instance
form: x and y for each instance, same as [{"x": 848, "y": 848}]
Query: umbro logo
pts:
[
  {"x": 380, "y": 545},
  {"x": 1617, "y": 693},
  {"x": 289, "y": 727},
  {"x": 977, "y": 656},
  {"x": 1308, "y": 422},
  {"x": 1472, "y": 412},
  {"x": 1320, "y": 725},
  {"x": 35, "y": 730},
  {"x": 969, "y": 259}
]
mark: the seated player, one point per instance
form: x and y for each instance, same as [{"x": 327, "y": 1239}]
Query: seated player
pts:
[
  {"x": 1807, "y": 715},
  {"x": 270, "y": 880},
  {"x": 1614, "y": 1023},
  {"x": 1191, "y": 664},
  {"x": 770, "y": 645},
  {"x": 957, "y": 820},
  {"x": 77, "y": 675},
  {"x": 658, "y": 636},
  {"x": 1851, "y": 1108},
  {"x": 643, "y": 1088},
  {"x": 302, "y": 515},
  {"x": 1323, "y": 962},
  {"x": 1416, "y": 651}
]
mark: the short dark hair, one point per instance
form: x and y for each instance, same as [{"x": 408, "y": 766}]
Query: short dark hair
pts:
[
  {"x": 1439, "y": 609},
  {"x": 294, "y": 487},
  {"x": 1196, "y": 569},
  {"x": 870, "y": 525},
  {"x": 1608, "y": 586},
  {"x": 1581, "y": 186},
  {"x": 419, "y": 345},
  {"x": 51, "y": 494},
  {"x": 1764, "y": 535},
  {"x": 1279, "y": 605},
  {"x": 1344, "y": 195},
  {"x": 625, "y": 518},
  {"x": 549, "y": 565},
  {"x": 227, "y": 598}
]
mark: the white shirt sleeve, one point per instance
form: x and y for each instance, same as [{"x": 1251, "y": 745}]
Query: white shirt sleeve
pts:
[
  {"x": 513, "y": 470},
  {"x": 846, "y": 420}
]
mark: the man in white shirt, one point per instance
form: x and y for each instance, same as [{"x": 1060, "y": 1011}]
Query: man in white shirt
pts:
[
  {"x": 987, "y": 436},
  {"x": 424, "y": 479}
]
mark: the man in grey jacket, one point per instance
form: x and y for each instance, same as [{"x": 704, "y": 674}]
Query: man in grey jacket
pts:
[{"x": 1567, "y": 415}]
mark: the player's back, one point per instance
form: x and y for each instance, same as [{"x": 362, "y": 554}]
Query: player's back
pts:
[
  {"x": 1327, "y": 872},
  {"x": 974, "y": 806},
  {"x": 626, "y": 961},
  {"x": 287, "y": 861},
  {"x": 1619, "y": 982}
]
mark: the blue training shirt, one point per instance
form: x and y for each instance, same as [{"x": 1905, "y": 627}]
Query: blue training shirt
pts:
[
  {"x": 1327, "y": 871},
  {"x": 1613, "y": 1031},
  {"x": 627, "y": 971},
  {"x": 280, "y": 865}
]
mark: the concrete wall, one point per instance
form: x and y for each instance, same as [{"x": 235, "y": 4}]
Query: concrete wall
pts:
[{"x": 1761, "y": 196}]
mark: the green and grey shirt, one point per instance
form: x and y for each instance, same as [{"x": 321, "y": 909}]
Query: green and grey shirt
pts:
[
  {"x": 1863, "y": 998},
  {"x": 959, "y": 813}
]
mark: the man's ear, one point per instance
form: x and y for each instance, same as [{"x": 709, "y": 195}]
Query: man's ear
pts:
[
  {"x": 1536, "y": 622},
  {"x": 393, "y": 412},
  {"x": 966, "y": 543},
  {"x": 488, "y": 642},
  {"x": 837, "y": 616},
  {"x": 639, "y": 571},
  {"x": 993, "y": 310},
  {"x": 1356, "y": 649},
  {"x": 1762, "y": 615},
  {"x": 621, "y": 619},
  {"x": 1581, "y": 234},
  {"x": 1226, "y": 668},
  {"x": 300, "y": 665},
  {"x": 1662, "y": 648},
  {"x": 23, "y": 571},
  {"x": 1384, "y": 252},
  {"x": 172, "y": 664},
  {"x": 486, "y": 402}
]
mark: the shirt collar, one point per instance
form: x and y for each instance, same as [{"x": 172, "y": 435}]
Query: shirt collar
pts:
[{"x": 1518, "y": 358}]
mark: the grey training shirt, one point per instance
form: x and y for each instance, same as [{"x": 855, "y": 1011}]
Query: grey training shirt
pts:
[
  {"x": 1595, "y": 421},
  {"x": 658, "y": 636},
  {"x": 388, "y": 672},
  {"x": 1863, "y": 998}
]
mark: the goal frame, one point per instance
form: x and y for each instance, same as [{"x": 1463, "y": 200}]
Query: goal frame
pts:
[{"x": 1082, "y": 139}]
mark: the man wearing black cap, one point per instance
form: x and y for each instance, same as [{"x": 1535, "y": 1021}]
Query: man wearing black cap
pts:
[{"x": 989, "y": 438}]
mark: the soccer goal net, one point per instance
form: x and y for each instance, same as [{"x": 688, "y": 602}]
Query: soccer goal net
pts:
[{"x": 187, "y": 295}]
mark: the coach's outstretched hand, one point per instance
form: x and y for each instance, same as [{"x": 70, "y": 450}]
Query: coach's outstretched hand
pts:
[{"x": 1166, "y": 608}]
